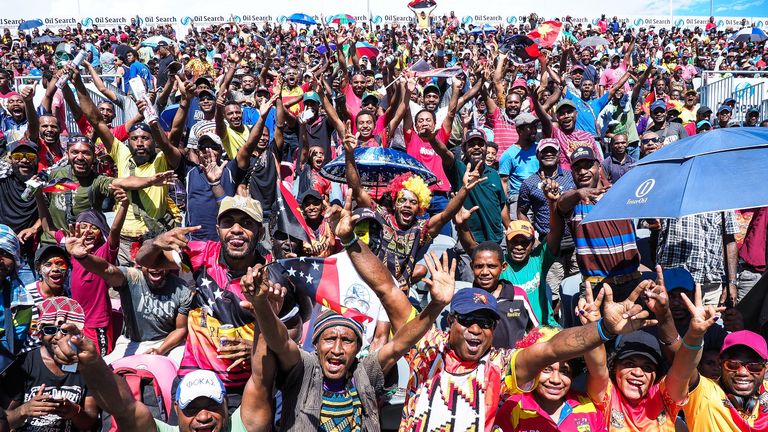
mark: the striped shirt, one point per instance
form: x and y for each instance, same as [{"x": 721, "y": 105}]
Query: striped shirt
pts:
[
  {"x": 504, "y": 130},
  {"x": 605, "y": 248},
  {"x": 341, "y": 411},
  {"x": 571, "y": 141}
]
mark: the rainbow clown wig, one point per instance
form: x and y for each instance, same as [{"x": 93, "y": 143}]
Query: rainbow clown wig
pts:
[
  {"x": 537, "y": 335},
  {"x": 415, "y": 185}
]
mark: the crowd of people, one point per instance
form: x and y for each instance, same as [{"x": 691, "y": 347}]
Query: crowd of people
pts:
[{"x": 154, "y": 225}]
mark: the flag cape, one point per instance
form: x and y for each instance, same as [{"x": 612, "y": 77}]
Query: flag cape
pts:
[{"x": 332, "y": 282}]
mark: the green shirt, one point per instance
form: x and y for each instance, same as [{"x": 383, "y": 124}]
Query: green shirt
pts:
[
  {"x": 235, "y": 424},
  {"x": 531, "y": 276},
  {"x": 485, "y": 223},
  {"x": 92, "y": 191}
]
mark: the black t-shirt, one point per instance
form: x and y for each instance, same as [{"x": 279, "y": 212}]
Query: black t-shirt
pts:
[
  {"x": 162, "y": 71},
  {"x": 15, "y": 212},
  {"x": 29, "y": 375},
  {"x": 517, "y": 316},
  {"x": 262, "y": 179},
  {"x": 319, "y": 134}
]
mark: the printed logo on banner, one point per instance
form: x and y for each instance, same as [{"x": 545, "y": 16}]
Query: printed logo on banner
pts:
[
  {"x": 140, "y": 21},
  {"x": 377, "y": 19},
  {"x": 512, "y": 20},
  {"x": 744, "y": 86},
  {"x": 281, "y": 19},
  {"x": 720, "y": 23},
  {"x": 638, "y": 22},
  {"x": 594, "y": 21},
  {"x": 87, "y": 22},
  {"x": 759, "y": 24},
  {"x": 237, "y": 18},
  {"x": 467, "y": 20},
  {"x": 679, "y": 23},
  {"x": 186, "y": 20}
]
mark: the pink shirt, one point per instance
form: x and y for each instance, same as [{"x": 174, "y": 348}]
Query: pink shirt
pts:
[
  {"x": 424, "y": 153},
  {"x": 611, "y": 77},
  {"x": 571, "y": 141},
  {"x": 90, "y": 290},
  {"x": 353, "y": 103},
  {"x": 504, "y": 131}
]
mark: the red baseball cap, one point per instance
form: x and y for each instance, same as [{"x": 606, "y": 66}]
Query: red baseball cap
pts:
[{"x": 746, "y": 338}]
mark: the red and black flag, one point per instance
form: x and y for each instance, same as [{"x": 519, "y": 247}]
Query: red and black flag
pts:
[{"x": 289, "y": 218}]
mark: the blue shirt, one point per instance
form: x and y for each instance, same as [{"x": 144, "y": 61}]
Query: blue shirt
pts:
[
  {"x": 251, "y": 116},
  {"x": 615, "y": 169},
  {"x": 588, "y": 111},
  {"x": 532, "y": 197},
  {"x": 518, "y": 164},
  {"x": 138, "y": 69},
  {"x": 200, "y": 197}
]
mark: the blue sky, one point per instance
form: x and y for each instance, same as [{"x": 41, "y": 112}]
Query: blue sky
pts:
[{"x": 746, "y": 8}]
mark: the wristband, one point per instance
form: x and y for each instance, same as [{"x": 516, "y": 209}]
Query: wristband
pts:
[
  {"x": 670, "y": 343},
  {"x": 605, "y": 336},
  {"x": 692, "y": 347},
  {"x": 351, "y": 242},
  {"x": 733, "y": 282},
  {"x": 216, "y": 183}
]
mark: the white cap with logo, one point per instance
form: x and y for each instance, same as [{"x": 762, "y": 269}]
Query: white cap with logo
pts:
[{"x": 200, "y": 383}]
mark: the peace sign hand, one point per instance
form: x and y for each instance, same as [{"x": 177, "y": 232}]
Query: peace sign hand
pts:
[
  {"x": 472, "y": 177},
  {"x": 702, "y": 317},
  {"x": 551, "y": 189},
  {"x": 588, "y": 309}
]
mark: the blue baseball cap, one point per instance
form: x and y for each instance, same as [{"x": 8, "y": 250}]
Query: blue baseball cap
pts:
[
  {"x": 724, "y": 108},
  {"x": 470, "y": 300},
  {"x": 658, "y": 104},
  {"x": 678, "y": 278}
]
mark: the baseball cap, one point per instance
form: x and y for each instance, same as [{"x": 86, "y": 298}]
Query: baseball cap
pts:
[
  {"x": 548, "y": 142},
  {"x": 199, "y": 383},
  {"x": 378, "y": 76},
  {"x": 703, "y": 110},
  {"x": 658, "y": 104},
  {"x": 639, "y": 343},
  {"x": 582, "y": 153},
  {"x": 577, "y": 67},
  {"x": 746, "y": 338},
  {"x": 519, "y": 83},
  {"x": 309, "y": 193},
  {"x": 470, "y": 300},
  {"x": 473, "y": 134},
  {"x": 311, "y": 96},
  {"x": 370, "y": 95},
  {"x": 48, "y": 249},
  {"x": 205, "y": 81},
  {"x": 520, "y": 227},
  {"x": 210, "y": 93},
  {"x": 564, "y": 103},
  {"x": 431, "y": 88},
  {"x": 525, "y": 118},
  {"x": 729, "y": 100},
  {"x": 24, "y": 142},
  {"x": 262, "y": 89},
  {"x": 691, "y": 92},
  {"x": 722, "y": 108},
  {"x": 678, "y": 278},
  {"x": 702, "y": 124},
  {"x": 211, "y": 136},
  {"x": 753, "y": 110},
  {"x": 249, "y": 206}
]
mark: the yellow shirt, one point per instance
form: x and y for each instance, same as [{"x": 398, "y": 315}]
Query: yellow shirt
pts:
[
  {"x": 688, "y": 116},
  {"x": 233, "y": 140},
  {"x": 296, "y": 91},
  {"x": 153, "y": 199},
  {"x": 706, "y": 410}
]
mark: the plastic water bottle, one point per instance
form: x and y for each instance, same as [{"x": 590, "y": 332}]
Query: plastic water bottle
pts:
[
  {"x": 76, "y": 63},
  {"x": 33, "y": 185},
  {"x": 140, "y": 92}
]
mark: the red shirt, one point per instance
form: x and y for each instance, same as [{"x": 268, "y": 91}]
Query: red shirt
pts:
[
  {"x": 424, "y": 153},
  {"x": 504, "y": 131}
]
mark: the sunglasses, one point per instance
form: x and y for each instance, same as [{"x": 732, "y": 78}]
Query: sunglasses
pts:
[
  {"x": 650, "y": 140},
  {"x": 23, "y": 155},
  {"x": 50, "y": 330},
  {"x": 736, "y": 365},
  {"x": 484, "y": 323}
]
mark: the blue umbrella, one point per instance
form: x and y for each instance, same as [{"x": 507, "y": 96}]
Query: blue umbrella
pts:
[
  {"x": 301, "y": 18},
  {"x": 719, "y": 170},
  {"x": 487, "y": 28},
  {"x": 377, "y": 166},
  {"x": 29, "y": 25},
  {"x": 154, "y": 40},
  {"x": 749, "y": 34}
]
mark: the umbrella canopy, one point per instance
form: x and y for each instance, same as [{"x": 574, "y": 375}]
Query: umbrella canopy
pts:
[
  {"x": 342, "y": 19},
  {"x": 377, "y": 166},
  {"x": 422, "y": 4},
  {"x": 154, "y": 40},
  {"x": 366, "y": 49},
  {"x": 29, "y": 25},
  {"x": 321, "y": 48},
  {"x": 301, "y": 18},
  {"x": 749, "y": 34},
  {"x": 692, "y": 176},
  {"x": 46, "y": 39},
  {"x": 593, "y": 41},
  {"x": 485, "y": 28}
]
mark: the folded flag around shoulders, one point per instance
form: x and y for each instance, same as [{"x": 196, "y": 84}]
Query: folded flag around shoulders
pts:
[
  {"x": 289, "y": 217},
  {"x": 60, "y": 185},
  {"x": 546, "y": 33},
  {"x": 332, "y": 282}
]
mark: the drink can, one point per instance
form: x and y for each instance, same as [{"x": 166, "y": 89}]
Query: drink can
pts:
[{"x": 227, "y": 331}]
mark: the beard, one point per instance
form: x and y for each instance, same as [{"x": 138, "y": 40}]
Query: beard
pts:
[
  {"x": 239, "y": 255},
  {"x": 145, "y": 158}
]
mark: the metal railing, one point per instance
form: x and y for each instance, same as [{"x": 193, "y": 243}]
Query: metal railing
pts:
[
  {"x": 95, "y": 95},
  {"x": 718, "y": 86}
]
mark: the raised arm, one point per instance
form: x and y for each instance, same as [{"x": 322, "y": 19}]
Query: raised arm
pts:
[
  {"x": 157, "y": 253},
  {"x": 99, "y": 83},
  {"x": 619, "y": 318},
  {"x": 598, "y": 378},
  {"x": 101, "y": 129},
  {"x": 442, "y": 285},
  {"x": 75, "y": 244},
  {"x": 221, "y": 103},
  {"x": 471, "y": 179},
  {"x": 370, "y": 268},
  {"x": 178, "y": 125},
  {"x": 640, "y": 83},
  {"x": 33, "y": 121},
  {"x": 172, "y": 153},
  {"x": 353, "y": 177},
  {"x": 556, "y": 226},
  {"x": 244, "y": 153},
  {"x": 541, "y": 114},
  {"x": 330, "y": 111}
]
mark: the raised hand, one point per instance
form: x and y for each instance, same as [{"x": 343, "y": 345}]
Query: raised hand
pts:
[
  {"x": 588, "y": 308},
  {"x": 75, "y": 242},
  {"x": 472, "y": 177},
  {"x": 267, "y": 105},
  {"x": 175, "y": 239},
  {"x": 463, "y": 215},
  {"x": 702, "y": 317},
  {"x": 655, "y": 294},
  {"x": 442, "y": 283},
  {"x": 28, "y": 93},
  {"x": 350, "y": 141},
  {"x": 213, "y": 169},
  {"x": 624, "y": 317},
  {"x": 551, "y": 189},
  {"x": 221, "y": 99},
  {"x": 165, "y": 178},
  {"x": 344, "y": 228},
  {"x": 120, "y": 195},
  {"x": 592, "y": 194}
]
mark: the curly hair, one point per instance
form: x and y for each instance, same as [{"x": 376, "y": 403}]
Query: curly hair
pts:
[{"x": 415, "y": 185}]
